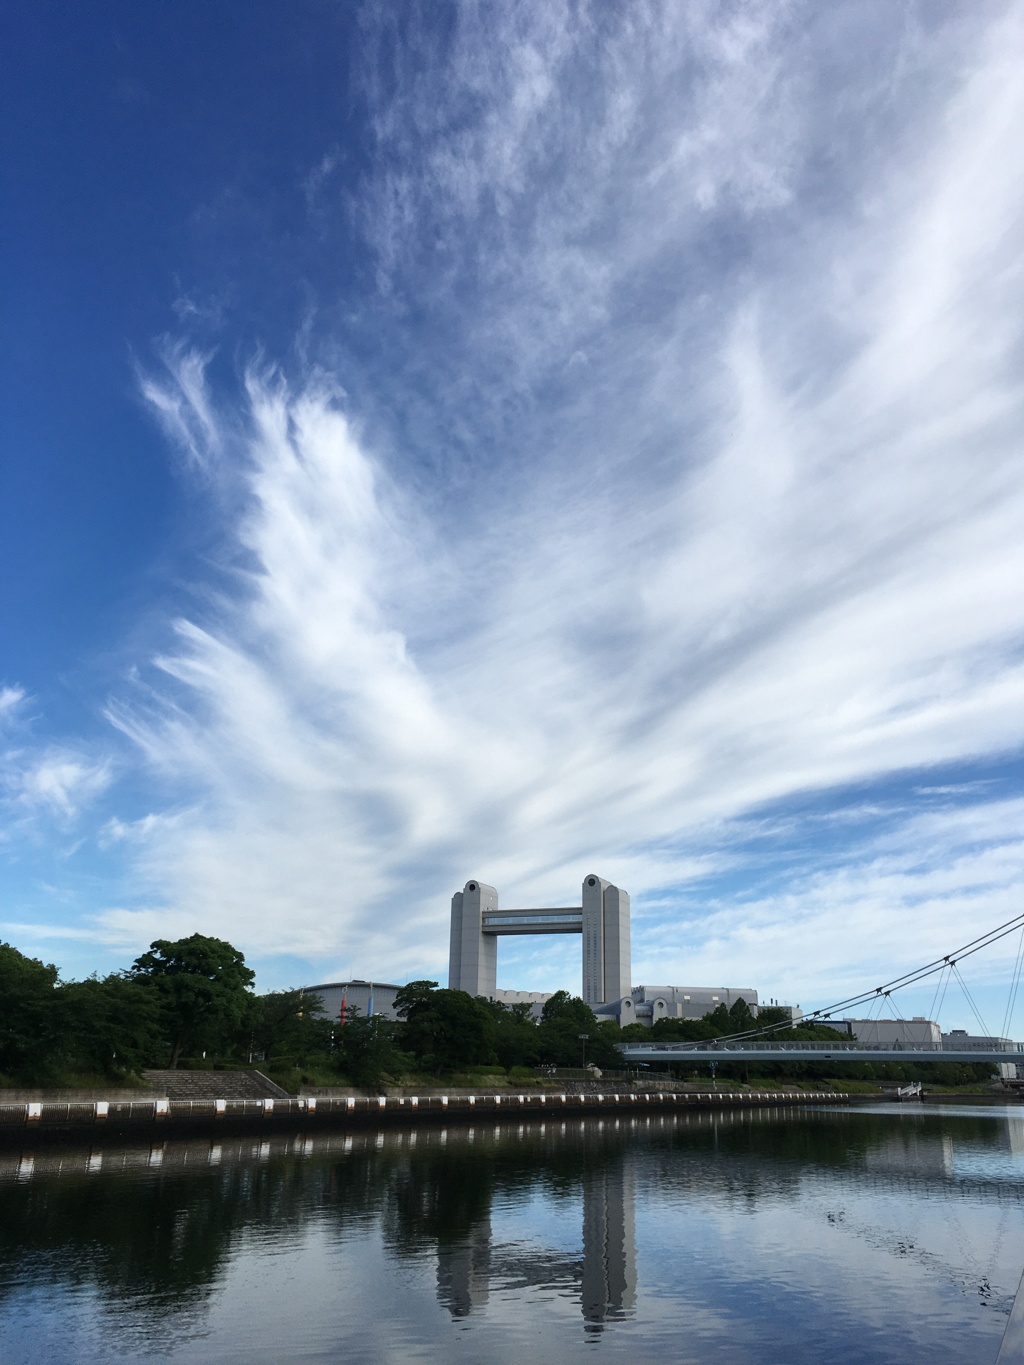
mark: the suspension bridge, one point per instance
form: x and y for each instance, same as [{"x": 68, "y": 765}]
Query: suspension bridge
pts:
[{"x": 769, "y": 1043}]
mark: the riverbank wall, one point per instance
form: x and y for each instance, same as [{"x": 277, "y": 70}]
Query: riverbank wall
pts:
[{"x": 99, "y": 1121}]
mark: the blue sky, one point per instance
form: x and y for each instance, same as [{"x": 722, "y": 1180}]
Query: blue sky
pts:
[{"x": 514, "y": 441}]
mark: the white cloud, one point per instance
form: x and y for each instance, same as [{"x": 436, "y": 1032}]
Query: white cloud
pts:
[
  {"x": 43, "y": 782},
  {"x": 180, "y": 403},
  {"x": 11, "y": 699},
  {"x": 927, "y": 885},
  {"x": 767, "y": 539},
  {"x": 61, "y": 782}
]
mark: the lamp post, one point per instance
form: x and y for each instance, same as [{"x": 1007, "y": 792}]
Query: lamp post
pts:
[{"x": 583, "y": 1039}]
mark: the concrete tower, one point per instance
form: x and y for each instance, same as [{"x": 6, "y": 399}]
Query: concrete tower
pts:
[
  {"x": 602, "y": 919},
  {"x": 473, "y": 955}
]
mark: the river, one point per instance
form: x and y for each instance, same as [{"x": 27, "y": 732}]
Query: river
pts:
[{"x": 890, "y": 1233}]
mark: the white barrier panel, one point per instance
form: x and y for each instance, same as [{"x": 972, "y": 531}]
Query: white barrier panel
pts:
[
  {"x": 311, "y": 1105},
  {"x": 382, "y": 1100},
  {"x": 444, "y": 1101},
  {"x": 268, "y": 1106},
  {"x": 102, "y": 1109},
  {"x": 220, "y": 1107},
  {"x": 33, "y": 1111},
  {"x": 161, "y": 1107},
  {"x": 350, "y": 1103}
]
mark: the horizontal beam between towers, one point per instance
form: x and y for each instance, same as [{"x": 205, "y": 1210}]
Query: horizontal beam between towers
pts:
[{"x": 558, "y": 920}]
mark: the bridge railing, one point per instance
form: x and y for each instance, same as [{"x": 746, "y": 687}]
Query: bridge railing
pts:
[{"x": 746, "y": 1044}]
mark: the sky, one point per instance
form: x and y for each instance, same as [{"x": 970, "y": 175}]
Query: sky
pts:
[{"x": 515, "y": 441}]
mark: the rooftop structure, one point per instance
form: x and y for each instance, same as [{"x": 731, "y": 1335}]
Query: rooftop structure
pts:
[{"x": 648, "y": 1004}]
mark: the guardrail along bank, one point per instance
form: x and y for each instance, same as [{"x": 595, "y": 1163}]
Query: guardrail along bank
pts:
[{"x": 97, "y": 1119}]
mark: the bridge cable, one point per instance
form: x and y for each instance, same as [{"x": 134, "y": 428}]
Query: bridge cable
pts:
[
  {"x": 932, "y": 1010},
  {"x": 892, "y": 1010},
  {"x": 1014, "y": 984},
  {"x": 970, "y": 1001},
  {"x": 942, "y": 997},
  {"x": 821, "y": 1016}
]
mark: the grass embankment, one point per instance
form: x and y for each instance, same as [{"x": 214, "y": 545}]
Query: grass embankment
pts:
[{"x": 481, "y": 1078}]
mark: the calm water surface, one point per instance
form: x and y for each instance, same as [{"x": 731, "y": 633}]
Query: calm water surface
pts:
[{"x": 890, "y": 1234}]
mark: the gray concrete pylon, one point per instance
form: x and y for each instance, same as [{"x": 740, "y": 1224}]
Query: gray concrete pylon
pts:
[{"x": 473, "y": 955}]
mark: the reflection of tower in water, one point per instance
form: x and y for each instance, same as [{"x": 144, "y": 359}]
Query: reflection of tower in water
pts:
[
  {"x": 609, "y": 1242},
  {"x": 608, "y": 1278},
  {"x": 464, "y": 1271}
]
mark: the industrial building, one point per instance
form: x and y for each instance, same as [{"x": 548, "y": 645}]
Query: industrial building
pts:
[
  {"x": 916, "y": 1032},
  {"x": 648, "y": 1004},
  {"x": 959, "y": 1040}
]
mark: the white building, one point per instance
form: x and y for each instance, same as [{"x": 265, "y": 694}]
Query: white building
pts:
[
  {"x": 959, "y": 1040},
  {"x": 894, "y": 1033},
  {"x": 648, "y": 1004},
  {"x": 535, "y": 999}
]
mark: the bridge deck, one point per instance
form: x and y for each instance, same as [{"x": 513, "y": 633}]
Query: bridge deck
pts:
[{"x": 806, "y": 1052}]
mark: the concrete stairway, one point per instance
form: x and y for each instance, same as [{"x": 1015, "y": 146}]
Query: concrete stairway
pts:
[{"x": 213, "y": 1085}]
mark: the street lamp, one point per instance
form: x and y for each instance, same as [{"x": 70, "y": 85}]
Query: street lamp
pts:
[{"x": 583, "y": 1039}]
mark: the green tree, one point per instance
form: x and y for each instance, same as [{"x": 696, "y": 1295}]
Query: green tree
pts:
[
  {"x": 289, "y": 1024},
  {"x": 682, "y": 1030},
  {"x": 742, "y": 1019},
  {"x": 563, "y": 1018},
  {"x": 203, "y": 987},
  {"x": 773, "y": 1014},
  {"x": 515, "y": 1034},
  {"x": 107, "y": 1026},
  {"x": 28, "y": 1028},
  {"x": 445, "y": 1030},
  {"x": 368, "y": 1050}
]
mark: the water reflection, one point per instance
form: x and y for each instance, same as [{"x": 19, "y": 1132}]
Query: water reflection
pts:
[
  {"x": 517, "y": 1214},
  {"x": 604, "y": 1276}
]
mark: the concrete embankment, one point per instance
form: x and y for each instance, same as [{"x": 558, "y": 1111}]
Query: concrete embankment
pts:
[{"x": 98, "y": 1121}]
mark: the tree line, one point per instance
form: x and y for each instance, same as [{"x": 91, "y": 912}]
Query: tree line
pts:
[{"x": 191, "y": 1002}]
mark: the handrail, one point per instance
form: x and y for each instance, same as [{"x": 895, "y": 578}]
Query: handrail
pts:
[{"x": 751, "y": 1044}]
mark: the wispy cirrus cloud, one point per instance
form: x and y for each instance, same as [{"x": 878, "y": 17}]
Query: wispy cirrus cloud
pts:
[
  {"x": 62, "y": 782},
  {"x": 687, "y": 480},
  {"x": 41, "y": 779},
  {"x": 11, "y": 699},
  {"x": 180, "y": 402}
]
